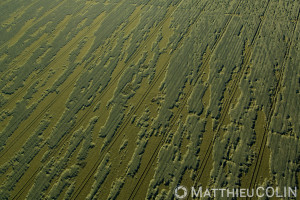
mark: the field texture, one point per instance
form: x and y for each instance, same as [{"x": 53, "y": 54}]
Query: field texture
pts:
[{"x": 127, "y": 99}]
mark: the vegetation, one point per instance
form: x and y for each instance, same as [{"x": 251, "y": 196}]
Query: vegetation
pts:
[{"x": 127, "y": 99}]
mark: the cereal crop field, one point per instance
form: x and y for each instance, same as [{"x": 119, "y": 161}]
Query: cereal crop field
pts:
[{"x": 128, "y": 99}]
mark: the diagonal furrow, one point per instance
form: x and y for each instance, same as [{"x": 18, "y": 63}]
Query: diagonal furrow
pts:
[
  {"x": 54, "y": 100},
  {"x": 52, "y": 62},
  {"x": 227, "y": 102},
  {"x": 127, "y": 121},
  {"x": 105, "y": 90},
  {"x": 182, "y": 106},
  {"x": 271, "y": 113}
]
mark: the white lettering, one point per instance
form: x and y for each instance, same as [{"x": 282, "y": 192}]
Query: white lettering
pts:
[
  {"x": 230, "y": 193},
  {"x": 252, "y": 194},
  {"x": 277, "y": 192},
  {"x": 242, "y": 192},
  {"x": 268, "y": 192},
  {"x": 257, "y": 191},
  {"x": 207, "y": 193},
  {"x": 215, "y": 192},
  {"x": 294, "y": 192},
  {"x": 196, "y": 194},
  {"x": 222, "y": 192}
]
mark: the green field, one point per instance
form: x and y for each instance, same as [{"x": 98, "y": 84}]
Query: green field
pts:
[{"x": 128, "y": 99}]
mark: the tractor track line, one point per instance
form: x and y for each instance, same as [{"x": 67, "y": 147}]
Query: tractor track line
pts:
[
  {"x": 27, "y": 184},
  {"x": 53, "y": 101},
  {"x": 271, "y": 113},
  {"x": 14, "y": 67},
  {"x": 54, "y": 60},
  {"x": 123, "y": 126},
  {"x": 35, "y": 22},
  {"x": 165, "y": 137},
  {"x": 106, "y": 88},
  {"x": 229, "y": 100}
]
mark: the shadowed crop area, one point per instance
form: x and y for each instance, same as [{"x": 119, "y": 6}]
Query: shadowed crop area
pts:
[{"x": 128, "y": 99}]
